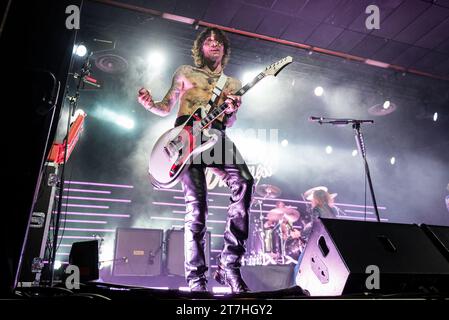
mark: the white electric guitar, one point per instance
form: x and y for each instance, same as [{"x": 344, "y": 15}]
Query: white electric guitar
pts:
[{"x": 174, "y": 151}]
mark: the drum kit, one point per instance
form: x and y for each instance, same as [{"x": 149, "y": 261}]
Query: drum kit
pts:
[
  {"x": 272, "y": 237},
  {"x": 280, "y": 235}
]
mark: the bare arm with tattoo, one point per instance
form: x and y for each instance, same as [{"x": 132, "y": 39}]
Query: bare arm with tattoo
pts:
[{"x": 162, "y": 108}]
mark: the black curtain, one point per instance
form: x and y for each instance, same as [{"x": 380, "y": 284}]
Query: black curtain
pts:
[{"x": 34, "y": 60}]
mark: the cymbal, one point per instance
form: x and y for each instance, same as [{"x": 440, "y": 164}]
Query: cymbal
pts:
[
  {"x": 309, "y": 192},
  {"x": 291, "y": 214},
  {"x": 275, "y": 214},
  {"x": 288, "y": 213},
  {"x": 308, "y": 195},
  {"x": 268, "y": 191}
]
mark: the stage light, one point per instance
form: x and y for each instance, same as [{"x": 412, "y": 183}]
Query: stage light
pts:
[
  {"x": 80, "y": 50},
  {"x": 156, "y": 59},
  {"x": 435, "y": 116},
  {"x": 57, "y": 265},
  {"x": 284, "y": 143},
  {"x": 354, "y": 152},
  {"x": 118, "y": 119},
  {"x": 386, "y": 104},
  {"x": 319, "y": 91},
  {"x": 328, "y": 149},
  {"x": 124, "y": 122},
  {"x": 221, "y": 290},
  {"x": 392, "y": 160}
]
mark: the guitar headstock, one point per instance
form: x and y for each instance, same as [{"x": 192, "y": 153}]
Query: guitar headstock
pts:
[{"x": 274, "y": 68}]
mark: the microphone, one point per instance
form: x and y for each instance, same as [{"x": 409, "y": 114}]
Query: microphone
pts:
[{"x": 312, "y": 119}]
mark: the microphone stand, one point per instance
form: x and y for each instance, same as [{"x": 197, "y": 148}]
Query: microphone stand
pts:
[
  {"x": 85, "y": 71},
  {"x": 360, "y": 145}
]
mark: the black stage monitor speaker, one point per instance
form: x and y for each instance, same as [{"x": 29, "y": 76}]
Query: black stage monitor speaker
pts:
[
  {"x": 175, "y": 252},
  {"x": 344, "y": 257},
  {"x": 84, "y": 255},
  {"x": 439, "y": 236},
  {"x": 269, "y": 277},
  {"x": 138, "y": 252}
]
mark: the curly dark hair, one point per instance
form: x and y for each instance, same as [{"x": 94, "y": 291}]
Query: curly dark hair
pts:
[{"x": 197, "y": 52}]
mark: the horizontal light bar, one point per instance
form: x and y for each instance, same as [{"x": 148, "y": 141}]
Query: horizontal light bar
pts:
[
  {"x": 84, "y": 206},
  {"x": 221, "y": 290},
  {"x": 84, "y": 221},
  {"x": 358, "y": 211},
  {"x": 86, "y": 229},
  {"x": 95, "y": 214},
  {"x": 100, "y": 184},
  {"x": 217, "y": 221},
  {"x": 169, "y": 204},
  {"x": 96, "y": 199},
  {"x": 363, "y": 219},
  {"x": 76, "y": 237},
  {"x": 87, "y": 191},
  {"x": 166, "y": 218}
]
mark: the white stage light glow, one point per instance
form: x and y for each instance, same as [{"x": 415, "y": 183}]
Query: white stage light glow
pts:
[
  {"x": 319, "y": 91},
  {"x": 80, "y": 50}
]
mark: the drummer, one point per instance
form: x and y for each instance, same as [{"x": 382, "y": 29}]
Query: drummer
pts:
[{"x": 322, "y": 203}]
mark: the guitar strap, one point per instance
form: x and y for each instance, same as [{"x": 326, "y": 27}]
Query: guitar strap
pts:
[{"x": 217, "y": 91}]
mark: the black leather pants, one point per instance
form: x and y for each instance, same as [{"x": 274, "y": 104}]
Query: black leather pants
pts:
[{"x": 237, "y": 176}]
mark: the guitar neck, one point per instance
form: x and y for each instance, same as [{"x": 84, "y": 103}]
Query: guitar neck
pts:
[{"x": 216, "y": 112}]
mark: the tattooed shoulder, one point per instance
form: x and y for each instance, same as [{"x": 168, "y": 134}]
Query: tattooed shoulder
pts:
[{"x": 183, "y": 70}]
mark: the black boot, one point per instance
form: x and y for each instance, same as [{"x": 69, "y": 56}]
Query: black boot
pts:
[
  {"x": 199, "y": 285},
  {"x": 231, "y": 278}
]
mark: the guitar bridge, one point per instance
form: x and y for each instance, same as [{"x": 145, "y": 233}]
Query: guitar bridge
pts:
[{"x": 172, "y": 148}]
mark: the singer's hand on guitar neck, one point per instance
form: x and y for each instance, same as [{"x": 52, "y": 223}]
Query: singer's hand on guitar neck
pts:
[
  {"x": 145, "y": 99},
  {"x": 233, "y": 102}
]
